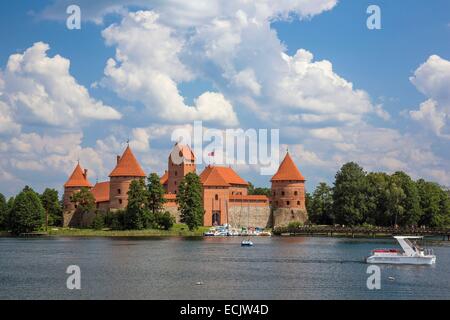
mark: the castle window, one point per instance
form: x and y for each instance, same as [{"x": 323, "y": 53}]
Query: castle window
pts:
[
  {"x": 119, "y": 191},
  {"x": 274, "y": 193},
  {"x": 176, "y": 173},
  {"x": 298, "y": 203},
  {"x": 288, "y": 203},
  {"x": 217, "y": 197},
  {"x": 282, "y": 193},
  {"x": 120, "y": 201},
  {"x": 295, "y": 193},
  {"x": 175, "y": 183}
]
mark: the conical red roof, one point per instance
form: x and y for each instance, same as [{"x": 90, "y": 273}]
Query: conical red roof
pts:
[
  {"x": 288, "y": 171},
  {"x": 78, "y": 178},
  {"x": 127, "y": 166}
]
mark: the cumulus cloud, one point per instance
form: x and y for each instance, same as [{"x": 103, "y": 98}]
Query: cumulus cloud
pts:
[
  {"x": 147, "y": 69},
  {"x": 36, "y": 88},
  {"x": 432, "y": 79},
  {"x": 191, "y": 13}
]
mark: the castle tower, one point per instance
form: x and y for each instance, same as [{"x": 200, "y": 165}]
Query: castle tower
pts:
[
  {"x": 181, "y": 162},
  {"x": 288, "y": 194},
  {"x": 126, "y": 170},
  {"x": 77, "y": 180}
]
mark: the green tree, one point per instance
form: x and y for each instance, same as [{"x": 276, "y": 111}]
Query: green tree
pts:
[
  {"x": 164, "y": 220},
  {"x": 52, "y": 206},
  {"x": 260, "y": 191},
  {"x": 350, "y": 195},
  {"x": 410, "y": 203},
  {"x": 84, "y": 201},
  {"x": 189, "y": 199},
  {"x": 3, "y": 213},
  {"x": 27, "y": 213},
  {"x": 378, "y": 186},
  {"x": 136, "y": 213},
  {"x": 322, "y": 205},
  {"x": 434, "y": 203},
  {"x": 155, "y": 194}
]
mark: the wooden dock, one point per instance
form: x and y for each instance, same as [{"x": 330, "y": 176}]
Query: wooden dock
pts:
[{"x": 361, "y": 231}]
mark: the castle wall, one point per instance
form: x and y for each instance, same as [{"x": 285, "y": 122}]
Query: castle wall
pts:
[
  {"x": 75, "y": 219},
  {"x": 283, "y": 216},
  {"x": 251, "y": 215}
]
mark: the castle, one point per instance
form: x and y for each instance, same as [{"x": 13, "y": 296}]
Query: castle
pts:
[{"x": 225, "y": 193}]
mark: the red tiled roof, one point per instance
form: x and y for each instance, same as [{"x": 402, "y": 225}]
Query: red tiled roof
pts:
[
  {"x": 127, "y": 166},
  {"x": 170, "y": 196},
  {"x": 101, "y": 191},
  {"x": 165, "y": 178},
  {"x": 221, "y": 177},
  {"x": 288, "y": 171},
  {"x": 78, "y": 178}
]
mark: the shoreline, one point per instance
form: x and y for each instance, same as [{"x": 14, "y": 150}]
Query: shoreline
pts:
[{"x": 152, "y": 233}]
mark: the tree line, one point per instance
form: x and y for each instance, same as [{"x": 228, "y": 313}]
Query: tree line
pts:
[
  {"x": 378, "y": 199},
  {"x": 30, "y": 211}
]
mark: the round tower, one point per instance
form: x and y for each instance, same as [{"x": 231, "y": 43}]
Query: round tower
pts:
[
  {"x": 77, "y": 180},
  {"x": 288, "y": 194},
  {"x": 181, "y": 162},
  {"x": 126, "y": 170}
]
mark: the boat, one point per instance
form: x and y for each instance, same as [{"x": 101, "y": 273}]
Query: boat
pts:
[
  {"x": 411, "y": 254},
  {"x": 246, "y": 243}
]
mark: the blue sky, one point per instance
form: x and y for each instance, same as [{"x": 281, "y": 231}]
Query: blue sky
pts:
[{"x": 337, "y": 91}]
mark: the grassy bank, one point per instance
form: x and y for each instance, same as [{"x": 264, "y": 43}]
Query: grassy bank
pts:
[{"x": 177, "y": 230}]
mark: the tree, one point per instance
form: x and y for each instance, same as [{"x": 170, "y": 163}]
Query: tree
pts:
[
  {"x": 189, "y": 199},
  {"x": 155, "y": 194},
  {"x": 136, "y": 213},
  {"x": 3, "y": 213},
  {"x": 50, "y": 202},
  {"x": 27, "y": 214},
  {"x": 84, "y": 201},
  {"x": 350, "y": 196},
  {"x": 410, "y": 203},
  {"x": 258, "y": 191},
  {"x": 321, "y": 205},
  {"x": 434, "y": 203},
  {"x": 164, "y": 220}
]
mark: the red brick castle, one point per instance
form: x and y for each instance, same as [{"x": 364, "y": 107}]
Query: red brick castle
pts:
[{"x": 225, "y": 193}]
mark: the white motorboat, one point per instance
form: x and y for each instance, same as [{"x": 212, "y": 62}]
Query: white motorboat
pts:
[
  {"x": 411, "y": 254},
  {"x": 247, "y": 243}
]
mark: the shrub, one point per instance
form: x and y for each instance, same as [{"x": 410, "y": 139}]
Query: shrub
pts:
[
  {"x": 99, "y": 221},
  {"x": 164, "y": 220},
  {"x": 295, "y": 225}
]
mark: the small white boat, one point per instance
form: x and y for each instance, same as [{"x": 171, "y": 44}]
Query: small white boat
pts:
[
  {"x": 412, "y": 253},
  {"x": 246, "y": 243}
]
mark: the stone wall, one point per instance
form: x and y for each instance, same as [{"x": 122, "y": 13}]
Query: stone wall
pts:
[
  {"x": 174, "y": 212},
  {"x": 252, "y": 216},
  {"x": 283, "y": 216},
  {"x": 75, "y": 219}
]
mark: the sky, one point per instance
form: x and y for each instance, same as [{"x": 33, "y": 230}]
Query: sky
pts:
[{"x": 138, "y": 70}]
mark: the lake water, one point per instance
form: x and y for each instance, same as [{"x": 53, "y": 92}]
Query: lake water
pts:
[{"x": 170, "y": 268}]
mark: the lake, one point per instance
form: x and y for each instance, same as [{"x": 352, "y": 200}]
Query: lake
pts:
[{"x": 171, "y": 268}]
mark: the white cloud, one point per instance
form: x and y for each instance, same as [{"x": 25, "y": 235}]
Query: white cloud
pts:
[
  {"x": 328, "y": 133},
  {"x": 39, "y": 88},
  {"x": 186, "y": 14},
  {"x": 433, "y": 80},
  {"x": 147, "y": 69}
]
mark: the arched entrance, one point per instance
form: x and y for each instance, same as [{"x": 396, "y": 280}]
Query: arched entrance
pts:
[{"x": 216, "y": 218}]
